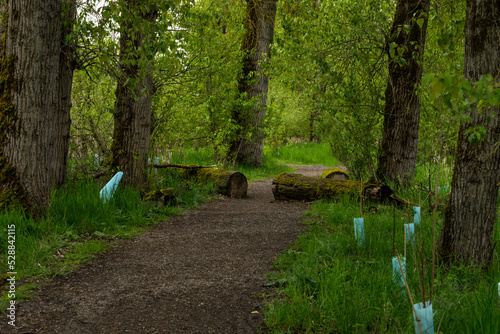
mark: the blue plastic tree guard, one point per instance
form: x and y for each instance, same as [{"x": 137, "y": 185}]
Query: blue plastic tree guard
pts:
[
  {"x": 157, "y": 161},
  {"x": 410, "y": 232},
  {"x": 359, "y": 231},
  {"x": 397, "y": 277},
  {"x": 426, "y": 317},
  {"x": 416, "y": 215},
  {"x": 109, "y": 189}
]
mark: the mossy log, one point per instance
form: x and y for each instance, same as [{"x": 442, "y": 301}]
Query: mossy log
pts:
[
  {"x": 228, "y": 183},
  {"x": 166, "y": 196},
  {"x": 335, "y": 173},
  {"x": 289, "y": 186}
]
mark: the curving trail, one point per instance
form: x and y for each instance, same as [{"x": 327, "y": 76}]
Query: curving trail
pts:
[{"x": 198, "y": 273}]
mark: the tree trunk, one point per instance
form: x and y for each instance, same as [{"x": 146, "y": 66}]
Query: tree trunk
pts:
[
  {"x": 60, "y": 128},
  {"x": 398, "y": 152},
  {"x": 467, "y": 231},
  {"x": 248, "y": 145},
  {"x": 134, "y": 91},
  {"x": 37, "y": 70}
]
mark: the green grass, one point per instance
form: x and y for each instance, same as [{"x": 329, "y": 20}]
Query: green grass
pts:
[
  {"x": 273, "y": 161},
  {"x": 306, "y": 154},
  {"x": 204, "y": 157},
  {"x": 189, "y": 194},
  {"x": 329, "y": 284},
  {"x": 78, "y": 225},
  {"x": 190, "y": 156}
]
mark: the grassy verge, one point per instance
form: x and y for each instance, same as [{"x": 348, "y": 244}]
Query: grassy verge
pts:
[
  {"x": 273, "y": 161},
  {"x": 78, "y": 225},
  {"x": 329, "y": 284},
  {"x": 270, "y": 166},
  {"x": 305, "y": 154}
]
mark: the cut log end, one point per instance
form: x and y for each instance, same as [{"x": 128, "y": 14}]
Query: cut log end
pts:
[
  {"x": 237, "y": 185},
  {"x": 229, "y": 183}
]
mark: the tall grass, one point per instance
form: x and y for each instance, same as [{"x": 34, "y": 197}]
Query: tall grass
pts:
[
  {"x": 193, "y": 156},
  {"x": 78, "y": 225},
  {"x": 75, "y": 216},
  {"x": 273, "y": 161},
  {"x": 189, "y": 193},
  {"x": 305, "y": 154},
  {"x": 329, "y": 284},
  {"x": 204, "y": 156}
]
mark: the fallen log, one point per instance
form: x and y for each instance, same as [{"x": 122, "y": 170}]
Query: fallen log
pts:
[
  {"x": 228, "y": 183},
  {"x": 166, "y": 196},
  {"x": 289, "y": 186}
]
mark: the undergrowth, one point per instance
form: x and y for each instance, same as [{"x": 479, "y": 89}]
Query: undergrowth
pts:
[
  {"x": 78, "y": 225},
  {"x": 273, "y": 162},
  {"x": 305, "y": 154},
  {"x": 328, "y": 283}
]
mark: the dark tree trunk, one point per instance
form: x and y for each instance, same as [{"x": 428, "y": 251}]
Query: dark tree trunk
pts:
[
  {"x": 37, "y": 71},
  {"x": 132, "y": 116},
  {"x": 398, "y": 152},
  {"x": 467, "y": 231},
  {"x": 60, "y": 128},
  {"x": 248, "y": 144}
]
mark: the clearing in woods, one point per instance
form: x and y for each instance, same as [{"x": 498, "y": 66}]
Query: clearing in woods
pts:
[{"x": 201, "y": 272}]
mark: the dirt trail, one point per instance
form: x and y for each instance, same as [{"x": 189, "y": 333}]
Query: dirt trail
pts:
[{"x": 198, "y": 273}]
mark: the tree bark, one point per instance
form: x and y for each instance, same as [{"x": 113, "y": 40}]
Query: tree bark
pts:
[
  {"x": 467, "y": 232},
  {"x": 248, "y": 144},
  {"x": 135, "y": 88},
  {"x": 37, "y": 70},
  {"x": 398, "y": 152},
  {"x": 60, "y": 128}
]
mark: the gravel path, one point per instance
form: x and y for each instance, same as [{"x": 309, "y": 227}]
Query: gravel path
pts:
[{"x": 202, "y": 272}]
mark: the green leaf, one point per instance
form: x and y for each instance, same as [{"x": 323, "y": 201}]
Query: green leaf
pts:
[
  {"x": 427, "y": 78},
  {"x": 392, "y": 47},
  {"x": 488, "y": 78},
  {"x": 482, "y": 105},
  {"x": 438, "y": 86},
  {"x": 476, "y": 135},
  {"x": 465, "y": 86},
  {"x": 420, "y": 22}
]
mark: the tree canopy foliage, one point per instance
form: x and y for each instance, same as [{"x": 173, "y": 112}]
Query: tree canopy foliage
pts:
[{"x": 328, "y": 71}]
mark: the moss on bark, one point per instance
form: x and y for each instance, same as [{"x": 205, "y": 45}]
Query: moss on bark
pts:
[
  {"x": 11, "y": 191},
  {"x": 299, "y": 187}
]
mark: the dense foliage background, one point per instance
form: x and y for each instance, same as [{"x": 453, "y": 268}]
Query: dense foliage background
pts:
[{"x": 328, "y": 72}]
